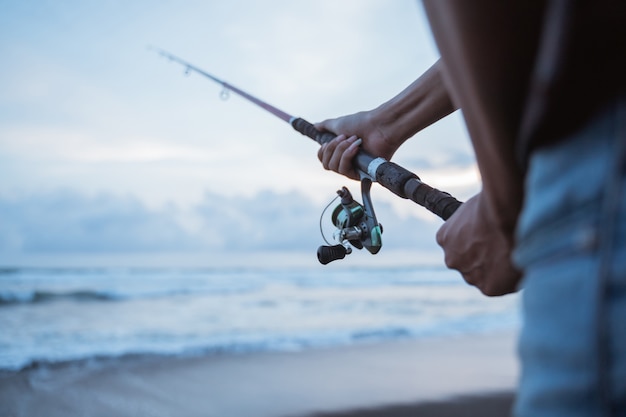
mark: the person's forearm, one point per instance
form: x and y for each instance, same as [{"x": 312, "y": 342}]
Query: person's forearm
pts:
[
  {"x": 419, "y": 105},
  {"x": 487, "y": 63},
  {"x": 384, "y": 129}
]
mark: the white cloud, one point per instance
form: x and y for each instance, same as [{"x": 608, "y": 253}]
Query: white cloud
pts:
[
  {"x": 86, "y": 108},
  {"x": 36, "y": 143},
  {"x": 66, "y": 221}
]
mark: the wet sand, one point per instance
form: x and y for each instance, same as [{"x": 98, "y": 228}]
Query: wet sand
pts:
[
  {"x": 485, "y": 405},
  {"x": 460, "y": 376}
]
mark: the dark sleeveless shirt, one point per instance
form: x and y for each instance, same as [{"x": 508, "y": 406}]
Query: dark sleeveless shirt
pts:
[{"x": 580, "y": 68}]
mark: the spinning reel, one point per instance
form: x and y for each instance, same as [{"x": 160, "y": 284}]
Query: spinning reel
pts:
[{"x": 356, "y": 226}]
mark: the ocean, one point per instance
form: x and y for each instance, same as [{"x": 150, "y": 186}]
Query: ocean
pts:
[{"x": 51, "y": 315}]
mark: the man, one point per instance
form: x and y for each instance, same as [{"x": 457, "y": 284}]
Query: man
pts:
[{"x": 543, "y": 92}]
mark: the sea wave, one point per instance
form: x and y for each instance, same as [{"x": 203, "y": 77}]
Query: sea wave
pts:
[
  {"x": 50, "y": 317},
  {"x": 10, "y": 298},
  {"x": 34, "y": 297},
  {"x": 102, "y": 356}
]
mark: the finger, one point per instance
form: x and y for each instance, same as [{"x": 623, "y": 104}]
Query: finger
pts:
[
  {"x": 326, "y": 151},
  {"x": 322, "y": 126},
  {"x": 346, "y": 164},
  {"x": 326, "y": 125},
  {"x": 474, "y": 277},
  {"x": 337, "y": 154},
  {"x": 441, "y": 236},
  {"x": 320, "y": 152}
]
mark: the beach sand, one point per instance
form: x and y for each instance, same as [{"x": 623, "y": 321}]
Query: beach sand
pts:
[{"x": 460, "y": 376}]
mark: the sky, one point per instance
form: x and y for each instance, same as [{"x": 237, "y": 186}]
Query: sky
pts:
[{"x": 107, "y": 148}]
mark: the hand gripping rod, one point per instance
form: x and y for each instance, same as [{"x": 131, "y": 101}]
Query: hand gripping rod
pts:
[{"x": 395, "y": 178}]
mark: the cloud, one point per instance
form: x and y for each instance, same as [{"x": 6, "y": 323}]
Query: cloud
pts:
[
  {"x": 295, "y": 223},
  {"x": 66, "y": 221},
  {"x": 265, "y": 221},
  {"x": 290, "y": 221},
  {"x": 107, "y": 148},
  {"x": 86, "y": 107},
  {"x": 73, "y": 145}
]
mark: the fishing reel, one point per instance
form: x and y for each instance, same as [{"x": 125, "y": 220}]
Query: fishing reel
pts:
[{"x": 356, "y": 226}]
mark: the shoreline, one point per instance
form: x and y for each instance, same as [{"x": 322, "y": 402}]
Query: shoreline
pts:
[
  {"x": 100, "y": 361},
  {"x": 390, "y": 258},
  {"x": 393, "y": 376}
]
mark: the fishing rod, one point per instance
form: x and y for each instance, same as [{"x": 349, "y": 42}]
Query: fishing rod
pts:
[{"x": 356, "y": 223}]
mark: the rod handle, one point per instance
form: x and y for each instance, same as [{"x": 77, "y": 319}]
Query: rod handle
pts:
[
  {"x": 406, "y": 184},
  {"x": 438, "y": 202},
  {"x": 395, "y": 178},
  {"x": 307, "y": 129}
]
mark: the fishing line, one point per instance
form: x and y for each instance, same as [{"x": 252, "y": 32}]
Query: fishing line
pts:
[{"x": 322, "y": 216}]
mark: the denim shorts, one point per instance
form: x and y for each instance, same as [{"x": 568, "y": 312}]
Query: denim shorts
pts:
[{"x": 571, "y": 246}]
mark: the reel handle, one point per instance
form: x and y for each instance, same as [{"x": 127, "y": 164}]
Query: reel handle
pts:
[{"x": 327, "y": 254}]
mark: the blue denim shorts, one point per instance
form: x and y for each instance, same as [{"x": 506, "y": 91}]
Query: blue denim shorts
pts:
[{"x": 571, "y": 245}]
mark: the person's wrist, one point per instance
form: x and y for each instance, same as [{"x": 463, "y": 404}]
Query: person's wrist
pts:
[
  {"x": 503, "y": 216},
  {"x": 387, "y": 125}
]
